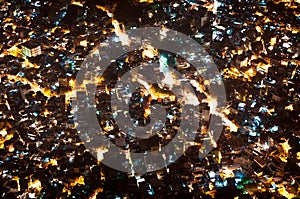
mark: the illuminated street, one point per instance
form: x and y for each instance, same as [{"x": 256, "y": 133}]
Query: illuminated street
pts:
[{"x": 254, "y": 44}]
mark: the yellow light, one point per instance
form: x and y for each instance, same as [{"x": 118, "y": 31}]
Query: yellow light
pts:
[
  {"x": 7, "y": 20},
  {"x": 250, "y": 73},
  {"x": 240, "y": 51},
  {"x": 285, "y": 193},
  {"x": 295, "y": 30},
  {"x": 83, "y": 43},
  {"x": 232, "y": 73},
  {"x": 72, "y": 83},
  {"x": 35, "y": 185},
  {"x": 155, "y": 93},
  {"x": 226, "y": 111},
  {"x": 289, "y": 107},
  {"x": 65, "y": 189},
  {"x": 108, "y": 127},
  {"x": 146, "y": 1},
  {"x": 53, "y": 29},
  {"x": 4, "y": 137},
  {"x": 3, "y": 132},
  {"x": 270, "y": 111},
  {"x": 107, "y": 90},
  {"x": 298, "y": 155},
  {"x": 259, "y": 174},
  {"x": 147, "y": 112},
  {"x": 295, "y": 70},
  {"x": 47, "y": 92},
  {"x": 66, "y": 31},
  {"x": 78, "y": 181},
  {"x": 52, "y": 162},
  {"x": 264, "y": 67},
  {"x": 11, "y": 148},
  {"x": 259, "y": 13},
  {"x": 230, "y": 125},
  {"x": 269, "y": 179},
  {"x": 105, "y": 10},
  {"x": 149, "y": 52},
  {"x": 16, "y": 178},
  {"x": 267, "y": 20},
  {"x": 77, "y": 3},
  {"x": 226, "y": 173},
  {"x": 285, "y": 146},
  {"x": 94, "y": 195},
  {"x": 14, "y": 51},
  {"x": 28, "y": 64},
  {"x": 273, "y": 41},
  {"x": 258, "y": 29},
  {"x": 9, "y": 136},
  {"x": 253, "y": 57},
  {"x": 284, "y": 62},
  {"x": 283, "y": 156},
  {"x": 215, "y": 111},
  {"x": 219, "y": 157}
]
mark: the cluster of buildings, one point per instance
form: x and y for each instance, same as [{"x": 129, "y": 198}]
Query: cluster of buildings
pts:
[{"x": 256, "y": 47}]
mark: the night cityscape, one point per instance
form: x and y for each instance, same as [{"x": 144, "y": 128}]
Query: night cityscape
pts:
[{"x": 255, "y": 46}]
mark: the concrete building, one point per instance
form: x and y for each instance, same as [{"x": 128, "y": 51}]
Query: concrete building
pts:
[{"x": 31, "y": 49}]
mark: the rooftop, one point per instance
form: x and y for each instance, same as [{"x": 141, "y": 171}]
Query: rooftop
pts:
[{"x": 30, "y": 44}]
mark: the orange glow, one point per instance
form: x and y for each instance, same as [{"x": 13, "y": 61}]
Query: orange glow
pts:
[
  {"x": 226, "y": 173},
  {"x": 78, "y": 181},
  {"x": 3, "y": 132},
  {"x": 94, "y": 195},
  {"x": 149, "y": 52},
  {"x": 263, "y": 67},
  {"x": 298, "y": 155},
  {"x": 285, "y": 146},
  {"x": 283, "y": 156},
  {"x": 77, "y": 3},
  {"x": 105, "y": 10},
  {"x": 289, "y": 107},
  {"x": 250, "y": 73},
  {"x": 36, "y": 185},
  {"x": 285, "y": 193},
  {"x": 273, "y": 41},
  {"x": 146, "y": 1}
]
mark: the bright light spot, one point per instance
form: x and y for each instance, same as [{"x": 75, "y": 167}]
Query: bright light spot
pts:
[
  {"x": 77, "y": 3},
  {"x": 289, "y": 107},
  {"x": 35, "y": 185},
  {"x": 83, "y": 43},
  {"x": 149, "y": 52},
  {"x": 3, "y": 132},
  {"x": 120, "y": 32},
  {"x": 226, "y": 173},
  {"x": 285, "y": 146},
  {"x": 285, "y": 193},
  {"x": 78, "y": 181},
  {"x": 273, "y": 41},
  {"x": 298, "y": 155},
  {"x": 274, "y": 129},
  {"x": 105, "y": 10}
]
